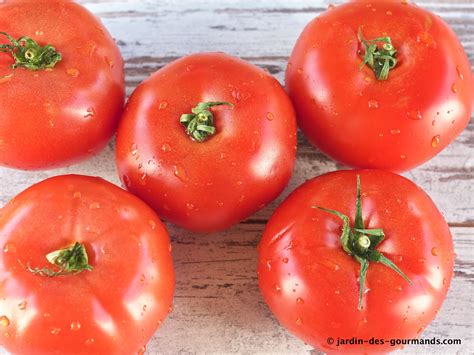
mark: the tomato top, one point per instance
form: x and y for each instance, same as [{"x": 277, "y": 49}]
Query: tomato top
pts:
[
  {"x": 359, "y": 120},
  {"x": 56, "y": 115},
  {"x": 112, "y": 308},
  {"x": 312, "y": 284},
  {"x": 242, "y": 165}
]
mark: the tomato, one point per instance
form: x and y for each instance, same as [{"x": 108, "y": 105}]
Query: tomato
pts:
[
  {"x": 117, "y": 286},
  {"x": 63, "y": 100},
  {"x": 207, "y": 141},
  {"x": 355, "y": 118},
  {"x": 386, "y": 280}
]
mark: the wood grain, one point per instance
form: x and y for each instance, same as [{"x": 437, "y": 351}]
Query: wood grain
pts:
[{"x": 218, "y": 308}]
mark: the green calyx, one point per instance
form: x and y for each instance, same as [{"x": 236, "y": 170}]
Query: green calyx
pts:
[
  {"x": 28, "y": 54},
  {"x": 69, "y": 260},
  {"x": 199, "y": 124},
  {"x": 361, "y": 243},
  {"x": 380, "y": 59}
]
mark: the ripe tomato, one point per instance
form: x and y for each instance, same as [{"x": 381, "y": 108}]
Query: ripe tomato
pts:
[
  {"x": 115, "y": 304},
  {"x": 359, "y": 120},
  {"x": 207, "y": 141},
  {"x": 317, "y": 283},
  {"x": 61, "y": 103}
]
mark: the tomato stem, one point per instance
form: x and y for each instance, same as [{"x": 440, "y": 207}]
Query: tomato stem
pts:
[
  {"x": 70, "y": 260},
  {"x": 200, "y": 123},
  {"x": 28, "y": 54},
  {"x": 380, "y": 59},
  {"x": 360, "y": 243}
]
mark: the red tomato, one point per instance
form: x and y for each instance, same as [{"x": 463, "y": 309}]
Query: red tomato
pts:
[
  {"x": 312, "y": 284},
  {"x": 113, "y": 308},
  {"x": 69, "y": 109},
  {"x": 394, "y": 124},
  {"x": 208, "y": 170}
]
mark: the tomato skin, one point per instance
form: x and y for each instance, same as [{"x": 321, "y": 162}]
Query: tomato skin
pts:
[
  {"x": 212, "y": 185},
  {"x": 52, "y": 118},
  {"x": 311, "y": 285},
  {"x": 362, "y": 122},
  {"x": 113, "y": 309}
]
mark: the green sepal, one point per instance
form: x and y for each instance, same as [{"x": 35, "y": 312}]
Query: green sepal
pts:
[
  {"x": 380, "y": 60},
  {"x": 200, "y": 124},
  {"x": 28, "y": 54},
  {"x": 69, "y": 260},
  {"x": 360, "y": 243}
]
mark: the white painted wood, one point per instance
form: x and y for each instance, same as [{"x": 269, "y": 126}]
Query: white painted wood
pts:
[{"x": 218, "y": 308}]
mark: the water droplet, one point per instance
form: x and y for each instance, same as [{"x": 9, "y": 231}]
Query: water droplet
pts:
[
  {"x": 90, "y": 112},
  {"x": 421, "y": 260},
  {"x": 9, "y": 248},
  {"x": 220, "y": 204},
  {"x": 368, "y": 79},
  {"x": 142, "y": 277},
  {"x": 134, "y": 149},
  {"x": 126, "y": 180},
  {"x": 170, "y": 247},
  {"x": 109, "y": 62},
  {"x": 433, "y": 122},
  {"x": 46, "y": 315},
  {"x": 394, "y": 132},
  {"x": 444, "y": 281},
  {"x": 236, "y": 95},
  {"x": 270, "y": 116},
  {"x": 39, "y": 33},
  {"x": 241, "y": 198},
  {"x": 163, "y": 105},
  {"x": 298, "y": 321},
  {"x": 4, "y": 321},
  {"x": 73, "y": 72},
  {"x": 277, "y": 288},
  {"x": 300, "y": 71},
  {"x": 94, "y": 206},
  {"x": 75, "y": 326},
  {"x": 180, "y": 173},
  {"x": 415, "y": 115},
  {"x": 22, "y": 306},
  {"x": 373, "y": 104},
  {"x": 190, "y": 67},
  {"x": 90, "y": 341},
  {"x": 403, "y": 157},
  {"x": 435, "y": 141},
  {"x": 336, "y": 267},
  {"x": 427, "y": 39},
  {"x": 337, "y": 292},
  {"x": 289, "y": 246},
  {"x": 144, "y": 308},
  {"x": 55, "y": 331},
  {"x": 434, "y": 252},
  {"x": 285, "y": 260},
  {"x": 299, "y": 300},
  {"x": 189, "y": 206},
  {"x": 152, "y": 224},
  {"x": 460, "y": 75},
  {"x": 389, "y": 13},
  {"x": 165, "y": 147},
  {"x": 405, "y": 320},
  {"x": 399, "y": 288},
  {"x": 454, "y": 88},
  {"x": 269, "y": 265},
  {"x": 143, "y": 179},
  {"x": 142, "y": 350},
  {"x": 77, "y": 195}
]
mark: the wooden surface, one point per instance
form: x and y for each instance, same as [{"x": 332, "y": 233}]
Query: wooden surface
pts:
[{"x": 218, "y": 308}]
